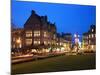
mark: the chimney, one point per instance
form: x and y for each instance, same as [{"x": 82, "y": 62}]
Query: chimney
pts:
[
  {"x": 33, "y": 12},
  {"x": 45, "y": 18}
]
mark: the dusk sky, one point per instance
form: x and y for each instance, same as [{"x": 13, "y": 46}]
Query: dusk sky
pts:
[{"x": 68, "y": 17}]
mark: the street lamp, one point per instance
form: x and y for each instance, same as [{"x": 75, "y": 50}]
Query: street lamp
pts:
[
  {"x": 18, "y": 41},
  {"x": 75, "y": 35}
]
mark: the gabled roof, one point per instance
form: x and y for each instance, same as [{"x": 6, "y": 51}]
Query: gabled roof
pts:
[{"x": 33, "y": 19}]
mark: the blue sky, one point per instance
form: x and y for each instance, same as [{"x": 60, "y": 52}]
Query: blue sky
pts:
[{"x": 68, "y": 17}]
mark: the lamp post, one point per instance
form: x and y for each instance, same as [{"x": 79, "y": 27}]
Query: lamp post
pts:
[{"x": 18, "y": 41}]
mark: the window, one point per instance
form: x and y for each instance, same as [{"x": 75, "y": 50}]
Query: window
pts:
[
  {"x": 92, "y": 46},
  {"x": 36, "y": 33},
  {"x": 45, "y": 42},
  {"x": 49, "y": 42},
  {"x": 54, "y": 36},
  {"x": 28, "y": 33},
  {"x": 36, "y": 42},
  {"x": 89, "y": 41},
  {"x": 45, "y": 34},
  {"x": 28, "y": 41},
  {"x": 57, "y": 43},
  {"x": 89, "y": 36},
  {"x": 92, "y": 35},
  {"x": 20, "y": 45},
  {"x": 61, "y": 43},
  {"x": 92, "y": 30}
]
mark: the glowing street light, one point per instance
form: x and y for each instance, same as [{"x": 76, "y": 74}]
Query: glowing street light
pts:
[
  {"x": 64, "y": 45},
  {"x": 92, "y": 47},
  {"x": 18, "y": 41},
  {"x": 75, "y": 35},
  {"x": 78, "y": 35}
]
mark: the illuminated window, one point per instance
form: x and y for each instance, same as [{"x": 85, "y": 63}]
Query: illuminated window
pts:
[
  {"x": 20, "y": 45},
  {"x": 45, "y": 42},
  {"x": 54, "y": 36},
  {"x": 89, "y": 36},
  {"x": 49, "y": 42},
  {"x": 92, "y": 30},
  {"x": 92, "y": 46},
  {"x": 36, "y": 42},
  {"x": 92, "y": 35},
  {"x": 28, "y": 33},
  {"x": 45, "y": 34},
  {"x": 36, "y": 33},
  {"x": 60, "y": 43},
  {"x": 89, "y": 41},
  {"x": 28, "y": 41}
]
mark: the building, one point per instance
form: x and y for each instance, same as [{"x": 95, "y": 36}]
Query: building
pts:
[
  {"x": 17, "y": 35},
  {"x": 39, "y": 33},
  {"x": 89, "y": 39},
  {"x": 17, "y": 41},
  {"x": 85, "y": 41},
  {"x": 68, "y": 38},
  {"x": 64, "y": 41}
]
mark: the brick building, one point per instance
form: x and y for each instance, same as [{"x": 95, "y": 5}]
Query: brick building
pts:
[
  {"x": 39, "y": 34},
  {"x": 89, "y": 39}
]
